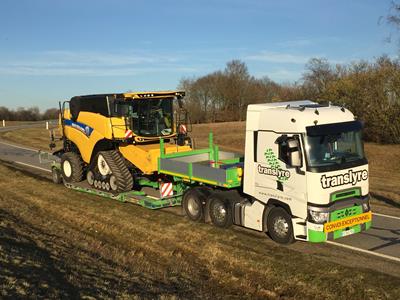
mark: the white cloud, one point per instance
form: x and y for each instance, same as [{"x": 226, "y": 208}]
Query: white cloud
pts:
[
  {"x": 281, "y": 75},
  {"x": 280, "y": 57},
  {"x": 59, "y": 63},
  {"x": 296, "y": 43}
]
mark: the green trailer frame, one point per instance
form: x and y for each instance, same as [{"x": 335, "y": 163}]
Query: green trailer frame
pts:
[
  {"x": 208, "y": 166},
  {"x": 205, "y": 166}
]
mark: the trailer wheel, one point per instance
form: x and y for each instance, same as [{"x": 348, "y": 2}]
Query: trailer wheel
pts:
[
  {"x": 279, "y": 225},
  {"x": 193, "y": 205},
  {"x": 71, "y": 167},
  {"x": 56, "y": 175},
  {"x": 220, "y": 211}
]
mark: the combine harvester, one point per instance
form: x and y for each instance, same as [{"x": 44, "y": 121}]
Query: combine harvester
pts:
[{"x": 304, "y": 175}]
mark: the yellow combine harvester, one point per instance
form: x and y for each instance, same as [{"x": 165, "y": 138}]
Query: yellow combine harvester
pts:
[{"x": 112, "y": 138}]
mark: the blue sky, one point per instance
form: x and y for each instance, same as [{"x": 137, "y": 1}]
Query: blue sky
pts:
[{"x": 51, "y": 50}]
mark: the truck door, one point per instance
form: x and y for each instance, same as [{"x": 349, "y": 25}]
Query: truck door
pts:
[{"x": 276, "y": 176}]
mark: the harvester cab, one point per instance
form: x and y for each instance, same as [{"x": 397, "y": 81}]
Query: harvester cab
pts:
[{"x": 120, "y": 132}]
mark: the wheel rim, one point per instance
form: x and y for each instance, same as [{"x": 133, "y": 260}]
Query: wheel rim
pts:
[
  {"x": 281, "y": 226},
  {"x": 102, "y": 165},
  {"x": 67, "y": 168},
  {"x": 113, "y": 183},
  {"x": 90, "y": 177},
  {"x": 193, "y": 206},
  {"x": 219, "y": 212}
]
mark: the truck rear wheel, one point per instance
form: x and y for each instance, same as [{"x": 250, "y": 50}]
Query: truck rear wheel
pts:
[
  {"x": 71, "y": 167},
  {"x": 193, "y": 205},
  {"x": 220, "y": 211},
  {"x": 279, "y": 225}
]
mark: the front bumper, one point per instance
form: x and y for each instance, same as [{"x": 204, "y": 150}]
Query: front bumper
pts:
[{"x": 343, "y": 221}]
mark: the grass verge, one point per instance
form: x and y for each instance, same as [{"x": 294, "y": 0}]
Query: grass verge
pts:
[{"x": 58, "y": 243}]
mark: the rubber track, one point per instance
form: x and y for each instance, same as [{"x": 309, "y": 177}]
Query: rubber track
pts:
[{"x": 119, "y": 170}]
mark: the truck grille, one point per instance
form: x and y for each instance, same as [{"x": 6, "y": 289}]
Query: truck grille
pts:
[{"x": 345, "y": 213}]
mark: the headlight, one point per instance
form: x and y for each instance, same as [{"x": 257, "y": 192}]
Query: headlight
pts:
[
  {"x": 319, "y": 216},
  {"x": 365, "y": 206}
]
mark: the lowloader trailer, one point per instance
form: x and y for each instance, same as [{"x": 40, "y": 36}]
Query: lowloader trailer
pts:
[{"x": 303, "y": 176}]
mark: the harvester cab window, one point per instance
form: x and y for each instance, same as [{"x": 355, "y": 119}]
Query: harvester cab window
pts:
[
  {"x": 149, "y": 117},
  {"x": 122, "y": 108}
]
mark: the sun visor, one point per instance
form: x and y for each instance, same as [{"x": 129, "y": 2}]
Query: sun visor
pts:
[{"x": 334, "y": 128}]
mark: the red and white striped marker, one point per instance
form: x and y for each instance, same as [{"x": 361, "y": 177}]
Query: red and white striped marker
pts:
[
  {"x": 182, "y": 129},
  {"x": 128, "y": 133},
  {"x": 166, "y": 189}
]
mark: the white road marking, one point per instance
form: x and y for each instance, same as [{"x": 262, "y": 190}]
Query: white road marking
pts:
[
  {"x": 32, "y": 166},
  {"x": 365, "y": 251},
  {"x": 20, "y": 147},
  {"x": 386, "y": 216}
]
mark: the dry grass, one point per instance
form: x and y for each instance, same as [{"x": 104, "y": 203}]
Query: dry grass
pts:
[
  {"x": 35, "y": 137},
  {"x": 57, "y": 243}
]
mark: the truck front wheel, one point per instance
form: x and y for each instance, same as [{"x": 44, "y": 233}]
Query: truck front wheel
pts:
[
  {"x": 279, "y": 225},
  {"x": 220, "y": 211}
]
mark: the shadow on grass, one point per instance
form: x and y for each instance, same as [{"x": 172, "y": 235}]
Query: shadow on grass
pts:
[
  {"x": 38, "y": 265},
  {"x": 385, "y": 199}
]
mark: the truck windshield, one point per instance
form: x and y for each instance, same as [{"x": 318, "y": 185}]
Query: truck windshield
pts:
[
  {"x": 334, "y": 146},
  {"x": 149, "y": 117}
]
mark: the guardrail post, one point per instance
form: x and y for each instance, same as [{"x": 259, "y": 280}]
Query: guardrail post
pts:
[
  {"x": 4, "y": 123},
  {"x": 47, "y": 125}
]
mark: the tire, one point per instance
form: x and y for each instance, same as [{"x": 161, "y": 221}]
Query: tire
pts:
[
  {"x": 56, "y": 175},
  {"x": 71, "y": 167},
  {"x": 90, "y": 177},
  {"x": 220, "y": 211},
  {"x": 193, "y": 205},
  {"x": 102, "y": 165},
  {"x": 279, "y": 225}
]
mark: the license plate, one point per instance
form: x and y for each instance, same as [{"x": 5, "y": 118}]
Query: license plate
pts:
[
  {"x": 348, "y": 222},
  {"x": 347, "y": 232}
]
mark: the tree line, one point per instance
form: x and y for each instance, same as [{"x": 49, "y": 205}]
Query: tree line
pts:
[
  {"x": 27, "y": 114},
  {"x": 371, "y": 90}
]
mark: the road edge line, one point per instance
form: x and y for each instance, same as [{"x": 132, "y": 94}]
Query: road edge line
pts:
[
  {"x": 20, "y": 147},
  {"x": 387, "y": 216},
  {"x": 32, "y": 166},
  {"x": 397, "y": 259}
]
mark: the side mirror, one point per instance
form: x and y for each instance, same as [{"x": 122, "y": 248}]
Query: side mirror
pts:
[{"x": 294, "y": 153}]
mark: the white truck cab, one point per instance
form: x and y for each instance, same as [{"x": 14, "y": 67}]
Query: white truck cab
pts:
[{"x": 306, "y": 172}]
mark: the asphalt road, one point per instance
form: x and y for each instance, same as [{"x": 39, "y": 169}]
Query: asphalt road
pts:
[{"x": 383, "y": 238}]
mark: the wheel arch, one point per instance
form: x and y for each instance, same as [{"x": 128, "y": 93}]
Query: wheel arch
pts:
[
  {"x": 101, "y": 145},
  {"x": 271, "y": 204}
]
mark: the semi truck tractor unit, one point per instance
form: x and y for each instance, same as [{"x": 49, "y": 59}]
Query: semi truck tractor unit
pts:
[{"x": 303, "y": 175}]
